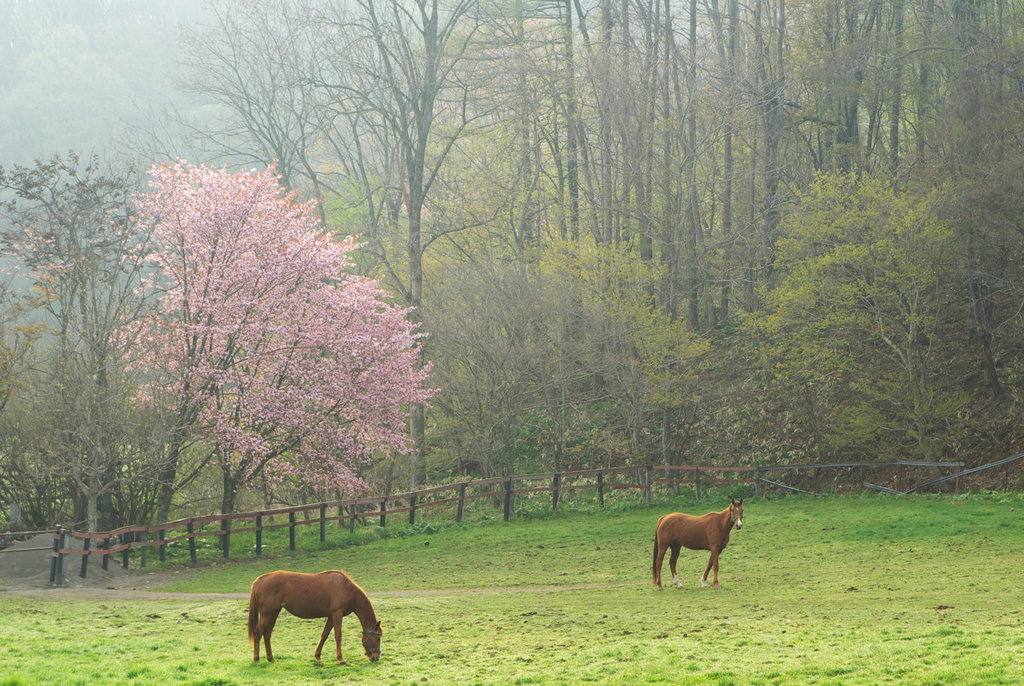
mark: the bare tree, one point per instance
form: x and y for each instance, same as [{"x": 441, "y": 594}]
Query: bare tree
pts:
[
  {"x": 401, "y": 82},
  {"x": 70, "y": 227}
]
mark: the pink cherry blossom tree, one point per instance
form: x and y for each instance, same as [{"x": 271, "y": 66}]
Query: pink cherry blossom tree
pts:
[{"x": 281, "y": 362}]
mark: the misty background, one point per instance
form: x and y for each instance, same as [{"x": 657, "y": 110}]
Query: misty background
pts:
[
  {"x": 634, "y": 231},
  {"x": 87, "y": 74}
]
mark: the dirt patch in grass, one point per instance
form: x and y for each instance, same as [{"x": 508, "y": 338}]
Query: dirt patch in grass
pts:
[{"x": 27, "y": 565}]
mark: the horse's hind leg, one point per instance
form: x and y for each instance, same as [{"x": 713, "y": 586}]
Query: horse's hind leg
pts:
[
  {"x": 265, "y": 628},
  {"x": 672, "y": 564},
  {"x": 659, "y": 558}
]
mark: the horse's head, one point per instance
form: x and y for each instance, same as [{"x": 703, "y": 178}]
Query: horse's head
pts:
[
  {"x": 371, "y": 642},
  {"x": 736, "y": 512}
]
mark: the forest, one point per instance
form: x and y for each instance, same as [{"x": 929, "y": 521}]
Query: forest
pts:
[{"x": 619, "y": 232}]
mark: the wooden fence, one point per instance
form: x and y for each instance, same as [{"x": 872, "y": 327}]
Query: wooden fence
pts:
[{"x": 502, "y": 491}]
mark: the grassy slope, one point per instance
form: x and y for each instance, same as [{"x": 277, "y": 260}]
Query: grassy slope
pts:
[{"x": 833, "y": 591}]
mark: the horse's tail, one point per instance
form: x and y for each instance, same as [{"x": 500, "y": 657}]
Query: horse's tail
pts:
[
  {"x": 254, "y": 611},
  {"x": 654, "y": 562}
]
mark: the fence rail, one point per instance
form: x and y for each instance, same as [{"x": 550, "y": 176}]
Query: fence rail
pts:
[{"x": 643, "y": 479}]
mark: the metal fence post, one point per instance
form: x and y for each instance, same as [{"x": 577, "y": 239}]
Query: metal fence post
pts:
[
  {"x": 383, "y": 512},
  {"x": 412, "y": 509},
  {"x": 259, "y": 534},
  {"x": 323, "y": 523}
]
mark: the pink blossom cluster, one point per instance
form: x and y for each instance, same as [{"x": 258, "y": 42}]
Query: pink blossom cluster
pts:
[{"x": 295, "y": 366}]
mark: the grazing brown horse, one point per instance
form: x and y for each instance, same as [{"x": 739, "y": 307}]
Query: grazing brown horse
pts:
[
  {"x": 328, "y": 594},
  {"x": 707, "y": 532}
]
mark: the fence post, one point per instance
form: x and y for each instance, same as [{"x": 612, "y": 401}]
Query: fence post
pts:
[
  {"x": 383, "y": 512},
  {"x": 60, "y": 558},
  {"x": 757, "y": 482},
  {"x": 556, "y": 491},
  {"x": 162, "y": 536},
  {"x": 462, "y": 502},
  {"x": 124, "y": 553},
  {"x": 696, "y": 481},
  {"x": 323, "y": 523},
  {"x": 225, "y": 541},
  {"x": 190, "y": 527},
  {"x": 144, "y": 549},
  {"x": 508, "y": 499},
  {"x": 106, "y": 555},
  {"x": 353, "y": 509},
  {"x": 85, "y": 556},
  {"x": 600, "y": 488},
  {"x": 412, "y": 509},
  {"x": 53, "y": 555},
  {"x": 259, "y": 534},
  {"x": 291, "y": 530},
  {"x": 648, "y": 483}
]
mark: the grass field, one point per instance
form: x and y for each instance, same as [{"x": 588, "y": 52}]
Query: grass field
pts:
[{"x": 872, "y": 590}]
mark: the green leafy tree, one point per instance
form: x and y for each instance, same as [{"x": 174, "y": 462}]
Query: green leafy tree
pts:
[{"x": 856, "y": 315}]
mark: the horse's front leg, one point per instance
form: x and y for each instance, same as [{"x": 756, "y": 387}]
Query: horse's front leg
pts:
[
  {"x": 714, "y": 560},
  {"x": 323, "y": 638},
  {"x": 711, "y": 562},
  {"x": 337, "y": 636}
]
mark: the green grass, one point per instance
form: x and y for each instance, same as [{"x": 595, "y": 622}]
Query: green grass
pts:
[{"x": 873, "y": 590}]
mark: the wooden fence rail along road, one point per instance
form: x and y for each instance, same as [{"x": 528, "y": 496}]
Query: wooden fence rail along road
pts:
[{"x": 500, "y": 492}]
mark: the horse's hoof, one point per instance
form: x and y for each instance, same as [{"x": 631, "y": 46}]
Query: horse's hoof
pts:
[{"x": 342, "y": 663}]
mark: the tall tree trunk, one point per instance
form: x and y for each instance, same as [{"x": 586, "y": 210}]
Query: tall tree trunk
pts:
[
  {"x": 896, "y": 106},
  {"x": 693, "y": 234},
  {"x": 571, "y": 127}
]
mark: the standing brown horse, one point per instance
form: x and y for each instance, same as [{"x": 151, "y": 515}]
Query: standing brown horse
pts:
[
  {"x": 328, "y": 594},
  {"x": 707, "y": 532}
]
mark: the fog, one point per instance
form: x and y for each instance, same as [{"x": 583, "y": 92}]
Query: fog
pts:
[{"x": 87, "y": 75}]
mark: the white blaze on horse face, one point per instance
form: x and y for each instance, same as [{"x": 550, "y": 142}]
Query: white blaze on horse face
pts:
[{"x": 739, "y": 524}]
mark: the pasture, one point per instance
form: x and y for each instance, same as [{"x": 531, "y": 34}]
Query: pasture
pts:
[{"x": 852, "y": 590}]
